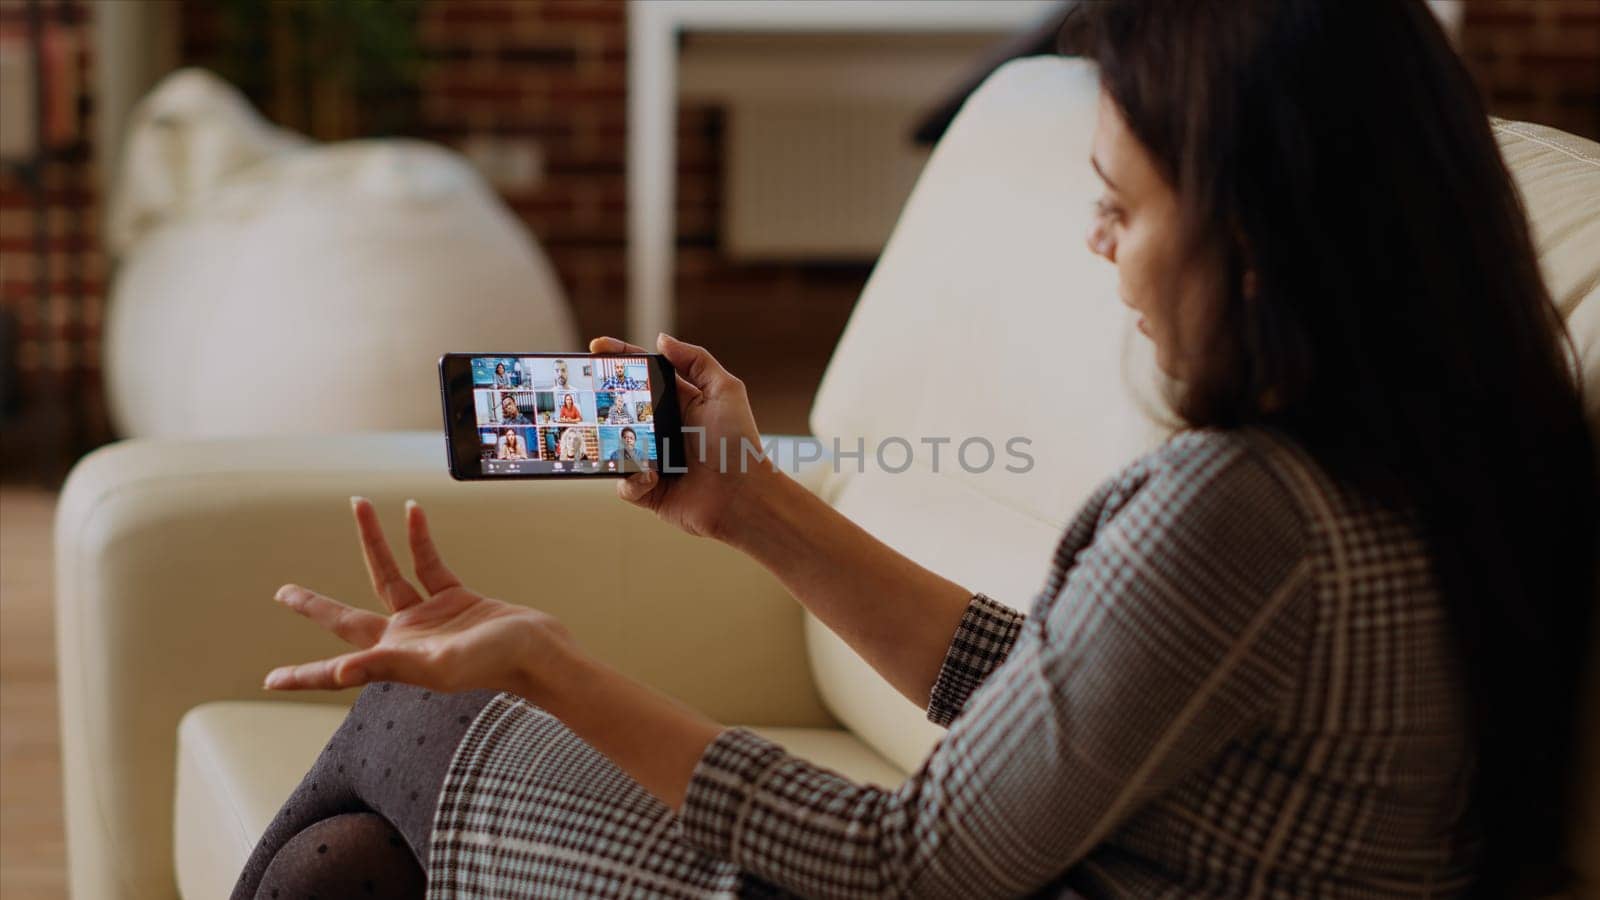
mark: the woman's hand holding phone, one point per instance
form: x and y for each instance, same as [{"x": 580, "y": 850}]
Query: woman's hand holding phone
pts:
[
  {"x": 718, "y": 427},
  {"x": 450, "y": 638}
]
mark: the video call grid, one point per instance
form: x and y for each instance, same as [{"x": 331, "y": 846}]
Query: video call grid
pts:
[{"x": 563, "y": 410}]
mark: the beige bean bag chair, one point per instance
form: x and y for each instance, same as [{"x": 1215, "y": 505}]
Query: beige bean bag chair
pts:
[{"x": 267, "y": 284}]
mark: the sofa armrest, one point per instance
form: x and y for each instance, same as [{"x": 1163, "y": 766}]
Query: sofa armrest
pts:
[{"x": 168, "y": 552}]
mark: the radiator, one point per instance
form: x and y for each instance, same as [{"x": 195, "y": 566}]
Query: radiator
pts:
[{"x": 818, "y": 180}]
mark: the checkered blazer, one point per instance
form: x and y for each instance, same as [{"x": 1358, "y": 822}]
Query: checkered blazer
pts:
[{"x": 1236, "y": 681}]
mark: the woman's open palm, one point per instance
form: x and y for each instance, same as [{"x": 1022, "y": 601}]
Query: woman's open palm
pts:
[{"x": 448, "y": 639}]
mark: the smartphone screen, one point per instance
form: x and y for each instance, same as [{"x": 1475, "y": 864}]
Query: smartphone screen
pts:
[{"x": 540, "y": 415}]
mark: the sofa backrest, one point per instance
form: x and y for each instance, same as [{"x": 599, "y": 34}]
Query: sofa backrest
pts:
[
  {"x": 1558, "y": 175},
  {"x": 988, "y": 317}
]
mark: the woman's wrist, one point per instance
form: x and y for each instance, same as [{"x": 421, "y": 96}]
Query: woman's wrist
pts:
[
  {"x": 760, "y": 493},
  {"x": 655, "y": 739},
  {"x": 548, "y": 663}
]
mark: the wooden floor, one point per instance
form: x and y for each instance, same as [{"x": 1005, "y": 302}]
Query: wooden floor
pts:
[{"x": 32, "y": 846}]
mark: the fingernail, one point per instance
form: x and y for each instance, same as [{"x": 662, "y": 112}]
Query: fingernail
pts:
[
  {"x": 410, "y": 504},
  {"x": 283, "y": 593},
  {"x": 666, "y": 338},
  {"x": 273, "y": 679},
  {"x": 355, "y": 501}
]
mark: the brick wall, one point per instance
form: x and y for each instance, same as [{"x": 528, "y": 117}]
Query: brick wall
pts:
[
  {"x": 1538, "y": 61},
  {"x": 52, "y": 273},
  {"x": 554, "y": 72}
]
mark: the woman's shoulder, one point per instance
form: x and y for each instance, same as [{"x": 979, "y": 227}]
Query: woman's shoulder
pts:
[
  {"x": 1221, "y": 491},
  {"x": 1266, "y": 473},
  {"x": 1238, "y": 457},
  {"x": 1204, "y": 480},
  {"x": 1208, "y": 460}
]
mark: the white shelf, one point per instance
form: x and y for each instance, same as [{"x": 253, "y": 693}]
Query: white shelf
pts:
[{"x": 653, "y": 30}]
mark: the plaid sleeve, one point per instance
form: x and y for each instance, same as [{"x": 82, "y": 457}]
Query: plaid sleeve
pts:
[
  {"x": 720, "y": 785},
  {"x": 1180, "y": 628},
  {"x": 981, "y": 643}
]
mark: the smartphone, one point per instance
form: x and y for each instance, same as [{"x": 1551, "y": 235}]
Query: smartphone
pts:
[{"x": 559, "y": 415}]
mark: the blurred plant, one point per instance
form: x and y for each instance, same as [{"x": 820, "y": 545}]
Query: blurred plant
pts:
[{"x": 334, "y": 69}]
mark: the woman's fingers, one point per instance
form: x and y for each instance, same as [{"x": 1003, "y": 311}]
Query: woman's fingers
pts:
[
  {"x": 321, "y": 675},
  {"x": 694, "y": 363},
  {"x": 389, "y": 664},
  {"x": 353, "y": 670},
  {"x": 353, "y": 626},
  {"x": 637, "y": 486},
  {"x": 614, "y": 345},
  {"x": 431, "y": 570},
  {"x": 686, "y": 391},
  {"x": 390, "y": 586}
]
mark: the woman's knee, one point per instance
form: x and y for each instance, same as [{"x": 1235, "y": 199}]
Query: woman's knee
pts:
[{"x": 349, "y": 855}]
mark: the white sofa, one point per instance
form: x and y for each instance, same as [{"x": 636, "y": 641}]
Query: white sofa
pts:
[{"x": 985, "y": 318}]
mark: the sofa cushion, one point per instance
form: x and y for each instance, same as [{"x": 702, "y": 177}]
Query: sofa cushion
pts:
[{"x": 238, "y": 762}]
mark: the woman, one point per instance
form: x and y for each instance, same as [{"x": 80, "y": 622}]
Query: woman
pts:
[
  {"x": 1323, "y": 642},
  {"x": 573, "y": 447},
  {"x": 501, "y": 379},
  {"x": 511, "y": 446},
  {"x": 569, "y": 411}
]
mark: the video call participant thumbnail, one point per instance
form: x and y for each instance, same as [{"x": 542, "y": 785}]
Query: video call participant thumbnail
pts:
[
  {"x": 623, "y": 375},
  {"x": 498, "y": 372},
  {"x": 568, "y": 411},
  {"x": 630, "y": 446},
  {"x": 617, "y": 408},
  {"x": 561, "y": 374},
  {"x": 514, "y": 443},
  {"x": 511, "y": 413},
  {"x": 577, "y": 444}
]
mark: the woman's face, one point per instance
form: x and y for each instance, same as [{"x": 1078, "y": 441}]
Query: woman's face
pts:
[{"x": 1135, "y": 227}]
